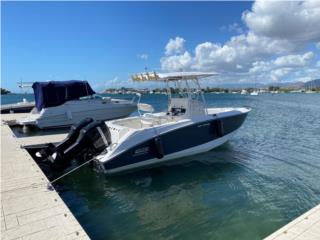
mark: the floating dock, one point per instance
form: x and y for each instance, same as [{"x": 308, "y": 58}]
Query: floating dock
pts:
[
  {"x": 28, "y": 209},
  {"x": 305, "y": 227},
  {"x": 23, "y": 107}
]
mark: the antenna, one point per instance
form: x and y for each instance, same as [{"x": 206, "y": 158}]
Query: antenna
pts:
[{"x": 23, "y": 85}]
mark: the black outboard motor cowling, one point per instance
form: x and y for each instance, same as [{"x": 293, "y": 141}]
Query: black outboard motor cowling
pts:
[
  {"x": 97, "y": 134},
  {"x": 68, "y": 141},
  {"x": 84, "y": 141}
]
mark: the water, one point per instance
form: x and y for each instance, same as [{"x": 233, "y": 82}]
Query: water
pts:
[
  {"x": 14, "y": 98},
  {"x": 267, "y": 175}
]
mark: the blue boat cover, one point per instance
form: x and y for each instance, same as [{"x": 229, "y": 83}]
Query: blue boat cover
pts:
[{"x": 55, "y": 93}]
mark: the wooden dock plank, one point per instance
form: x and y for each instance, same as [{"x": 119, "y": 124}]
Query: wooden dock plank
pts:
[
  {"x": 28, "y": 209},
  {"x": 306, "y": 227}
]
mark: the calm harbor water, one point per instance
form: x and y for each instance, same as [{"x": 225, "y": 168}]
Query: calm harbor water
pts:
[{"x": 267, "y": 175}]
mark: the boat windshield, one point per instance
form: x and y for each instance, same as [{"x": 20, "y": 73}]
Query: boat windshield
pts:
[{"x": 95, "y": 96}]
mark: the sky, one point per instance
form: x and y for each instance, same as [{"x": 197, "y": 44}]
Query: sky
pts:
[{"x": 106, "y": 42}]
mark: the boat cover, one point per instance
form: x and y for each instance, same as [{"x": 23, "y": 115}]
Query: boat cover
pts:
[{"x": 55, "y": 93}]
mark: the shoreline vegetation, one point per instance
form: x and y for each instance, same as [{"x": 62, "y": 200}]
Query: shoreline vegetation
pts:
[
  {"x": 217, "y": 90},
  {"x": 312, "y": 86},
  {"x": 4, "y": 91}
]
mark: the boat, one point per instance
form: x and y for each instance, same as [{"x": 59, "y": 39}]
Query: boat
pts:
[
  {"x": 21, "y": 107},
  {"x": 244, "y": 92},
  {"x": 188, "y": 127},
  {"x": 254, "y": 93},
  {"x": 64, "y": 103}
]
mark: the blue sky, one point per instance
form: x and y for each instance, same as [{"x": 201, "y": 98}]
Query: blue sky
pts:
[{"x": 105, "y": 42}]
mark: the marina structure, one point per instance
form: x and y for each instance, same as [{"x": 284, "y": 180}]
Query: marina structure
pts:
[
  {"x": 305, "y": 227},
  {"x": 20, "y": 107},
  {"x": 28, "y": 209}
]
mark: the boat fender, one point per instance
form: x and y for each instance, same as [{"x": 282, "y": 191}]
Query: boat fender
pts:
[
  {"x": 159, "y": 147},
  {"x": 218, "y": 127}
]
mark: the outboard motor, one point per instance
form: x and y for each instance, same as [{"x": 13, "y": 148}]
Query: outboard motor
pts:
[
  {"x": 84, "y": 141},
  {"x": 69, "y": 140}
]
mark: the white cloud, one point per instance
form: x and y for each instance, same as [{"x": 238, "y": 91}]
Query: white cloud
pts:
[
  {"x": 143, "y": 56},
  {"x": 176, "y": 62},
  {"x": 288, "y": 61},
  {"x": 175, "y": 46},
  {"x": 117, "y": 82},
  {"x": 294, "y": 60},
  {"x": 291, "y": 20},
  {"x": 240, "y": 50},
  {"x": 280, "y": 67},
  {"x": 234, "y": 27},
  {"x": 260, "y": 66},
  {"x": 270, "y": 49},
  {"x": 306, "y": 74},
  {"x": 277, "y": 74},
  {"x": 101, "y": 86}
]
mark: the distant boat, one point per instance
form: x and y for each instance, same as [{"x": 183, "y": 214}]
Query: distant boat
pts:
[
  {"x": 243, "y": 92},
  {"x": 20, "y": 107},
  {"x": 309, "y": 91},
  {"x": 254, "y": 93},
  {"x": 310, "y": 88}
]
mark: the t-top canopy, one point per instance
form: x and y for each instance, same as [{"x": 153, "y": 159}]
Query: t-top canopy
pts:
[
  {"x": 175, "y": 76},
  {"x": 55, "y": 93}
]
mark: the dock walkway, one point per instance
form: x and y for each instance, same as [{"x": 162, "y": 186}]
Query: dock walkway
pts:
[
  {"x": 305, "y": 227},
  {"x": 28, "y": 209}
]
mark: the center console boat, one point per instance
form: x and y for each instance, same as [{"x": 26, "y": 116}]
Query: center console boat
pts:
[{"x": 188, "y": 127}]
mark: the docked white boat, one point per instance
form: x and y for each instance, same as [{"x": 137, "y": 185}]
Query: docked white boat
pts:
[
  {"x": 254, "y": 93},
  {"x": 244, "y": 92},
  {"x": 60, "y": 104},
  {"x": 188, "y": 127}
]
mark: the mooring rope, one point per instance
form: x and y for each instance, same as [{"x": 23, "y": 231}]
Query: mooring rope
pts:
[{"x": 50, "y": 186}]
